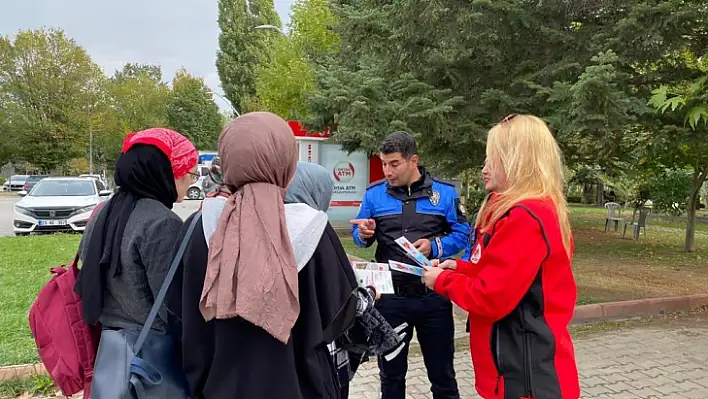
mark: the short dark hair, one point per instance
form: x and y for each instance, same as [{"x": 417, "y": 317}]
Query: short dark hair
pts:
[{"x": 401, "y": 142}]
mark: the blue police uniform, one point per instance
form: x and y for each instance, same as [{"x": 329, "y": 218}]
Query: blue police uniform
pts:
[{"x": 428, "y": 209}]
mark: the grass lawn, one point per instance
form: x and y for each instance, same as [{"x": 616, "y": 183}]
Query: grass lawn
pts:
[
  {"x": 606, "y": 267},
  {"x": 25, "y": 264}
]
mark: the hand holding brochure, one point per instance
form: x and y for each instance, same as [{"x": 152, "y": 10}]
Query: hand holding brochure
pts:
[{"x": 413, "y": 252}]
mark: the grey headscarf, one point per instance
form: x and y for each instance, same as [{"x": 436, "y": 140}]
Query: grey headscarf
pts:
[{"x": 312, "y": 185}]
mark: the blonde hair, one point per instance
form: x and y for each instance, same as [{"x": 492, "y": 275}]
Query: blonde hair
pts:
[{"x": 531, "y": 160}]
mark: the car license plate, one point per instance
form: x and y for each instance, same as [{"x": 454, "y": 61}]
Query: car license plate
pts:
[{"x": 43, "y": 223}]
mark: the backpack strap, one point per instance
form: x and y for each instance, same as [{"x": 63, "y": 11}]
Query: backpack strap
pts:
[{"x": 165, "y": 285}]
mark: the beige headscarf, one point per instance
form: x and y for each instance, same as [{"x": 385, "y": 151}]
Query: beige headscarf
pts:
[{"x": 252, "y": 272}]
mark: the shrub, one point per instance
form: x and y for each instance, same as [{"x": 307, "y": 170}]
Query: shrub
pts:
[{"x": 670, "y": 190}]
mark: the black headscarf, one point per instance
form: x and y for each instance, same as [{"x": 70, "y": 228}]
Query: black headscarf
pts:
[{"x": 142, "y": 172}]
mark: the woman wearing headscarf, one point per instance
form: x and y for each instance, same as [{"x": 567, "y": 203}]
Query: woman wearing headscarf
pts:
[
  {"x": 264, "y": 286},
  {"x": 127, "y": 246},
  {"x": 313, "y": 186}
]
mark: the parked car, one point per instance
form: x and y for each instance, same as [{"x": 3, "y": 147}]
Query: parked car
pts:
[
  {"x": 198, "y": 189},
  {"x": 98, "y": 177},
  {"x": 31, "y": 181},
  {"x": 58, "y": 204},
  {"x": 15, "y": 183}
]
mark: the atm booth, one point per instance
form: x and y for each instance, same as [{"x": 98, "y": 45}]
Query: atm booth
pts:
[{"x": 352, "y": 173}]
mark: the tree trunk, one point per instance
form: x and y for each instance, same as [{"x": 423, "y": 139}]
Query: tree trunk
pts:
[
  {"x": 587, "y": 193},
  {"x": 696, "y": 184},
  {"x": 690, "y": 244},
  {"x": 600, "y": 197}
]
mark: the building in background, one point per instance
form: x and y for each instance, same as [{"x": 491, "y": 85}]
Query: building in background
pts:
[{"x": 352, "y": 173}]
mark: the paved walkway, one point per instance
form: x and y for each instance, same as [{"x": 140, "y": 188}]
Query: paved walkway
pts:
[{"x": 662, "y": 362}]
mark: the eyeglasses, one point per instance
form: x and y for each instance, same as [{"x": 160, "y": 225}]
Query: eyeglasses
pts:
[
  {"x": 195, "y": 176},
  {"x": 508, "y": 118}
]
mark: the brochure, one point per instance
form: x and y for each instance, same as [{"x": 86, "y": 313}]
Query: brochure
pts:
[
  {"x": 405, "y": 268},
  {"x": 382, "y": 267},
  {"x": 413, "y": 252},
  {"x": 381, "y": 280}
]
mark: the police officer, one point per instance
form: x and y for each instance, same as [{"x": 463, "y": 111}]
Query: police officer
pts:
[{"x": 411, "y": 203}]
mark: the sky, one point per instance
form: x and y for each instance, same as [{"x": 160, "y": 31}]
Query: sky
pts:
[{"x": 169, "y": 33}]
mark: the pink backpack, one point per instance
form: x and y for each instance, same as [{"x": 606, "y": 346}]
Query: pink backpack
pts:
[{"x": 67, "y": 345}]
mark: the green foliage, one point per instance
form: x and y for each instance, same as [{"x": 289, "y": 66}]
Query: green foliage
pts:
[
  {"x": 376, "y": 106},
  {"x": 140, "y": 97},
  {"x": 474, "y": 201},
  {"x": 47, "y": 84},
  {"x": 284, "y": 84},
  {"x": 670, "y": 190},
  {"x": 694, "y": 100},
  {"x": 587, "y": 68},
  {"x": 311, "y": 23},
  {"x": 192, "y": 111},
  {"x": 135, "y": 99},
  {"x": 596, "y": 112},
  {"x": 242, "y": 48}
]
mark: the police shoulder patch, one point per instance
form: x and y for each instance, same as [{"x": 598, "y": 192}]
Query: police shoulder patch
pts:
[{"x": 435, "y": 198}]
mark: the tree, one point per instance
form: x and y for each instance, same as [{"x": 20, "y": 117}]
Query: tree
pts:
[
  {"x": 283, "y": 85},
  {"x": 136, "y": 99},
  {"x": 192, "y": 111},
  {"x": 140, "y": 97},
  {"x": 469, "y": 65},
  {"x": 597, "y": 117},
  {"x": 679, "y": 145},
  {"x": 47, "y": 83},
  {"x": 9, "y": 139},
  {"x": 664, "y": 45},
  {"x": 670, "y": 190},
  {"x": 242, "y": 48}
]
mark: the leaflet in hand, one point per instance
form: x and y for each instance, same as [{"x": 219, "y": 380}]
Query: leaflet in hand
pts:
[
  {"x": 382, "y": 267},
  {"x": 375, "y": 274},
  {"x": 405, "y": 268},
  {"x": 413, "y": 252}
]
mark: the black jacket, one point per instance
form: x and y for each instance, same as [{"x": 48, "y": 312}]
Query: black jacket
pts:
[
  {"x": 428, "y": 209},
  {"x": 227, "y": 359}
]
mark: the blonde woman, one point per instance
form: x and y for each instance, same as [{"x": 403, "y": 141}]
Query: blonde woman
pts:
[{"x": 518, "y": 286}]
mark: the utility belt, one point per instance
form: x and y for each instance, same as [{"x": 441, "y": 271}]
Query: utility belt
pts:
[{"x": 410, "y": 289}]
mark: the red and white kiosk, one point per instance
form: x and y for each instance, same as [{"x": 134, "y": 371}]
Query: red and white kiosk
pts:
[{"x": 352, "y": 173}]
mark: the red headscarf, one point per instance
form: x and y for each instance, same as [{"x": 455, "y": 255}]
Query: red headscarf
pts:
[{"x": 180, "y": 151}]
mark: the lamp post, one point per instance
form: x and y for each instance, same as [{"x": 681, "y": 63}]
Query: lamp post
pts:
[
  {"x": 271, "y": 27},
  {"x": 226, "y": 100},
  {"x": 90, "y": 143}
]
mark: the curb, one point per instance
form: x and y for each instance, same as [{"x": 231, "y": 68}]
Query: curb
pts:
[
  {"x": 21, "y": 371},
  {"x": 637, "y": 308}
]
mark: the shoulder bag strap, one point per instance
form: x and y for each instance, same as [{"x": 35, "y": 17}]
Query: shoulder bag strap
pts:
[{"x": 165, "y": 285}]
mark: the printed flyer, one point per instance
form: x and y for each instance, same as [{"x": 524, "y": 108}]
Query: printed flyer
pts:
[
  {"x": 382, "y": 267},
  {"x": 405, "y": 268},
  {"x": 381, "y": 280},
  {"x": 413, "y": 252}
]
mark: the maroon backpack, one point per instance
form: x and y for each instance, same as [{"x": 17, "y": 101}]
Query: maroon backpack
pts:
[{"x": 67, "y": 345}]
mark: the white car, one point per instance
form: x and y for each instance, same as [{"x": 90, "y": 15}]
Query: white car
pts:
[{"x": 58, "y": 204}]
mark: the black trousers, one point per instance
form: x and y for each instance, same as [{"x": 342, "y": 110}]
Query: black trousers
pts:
[{"x": 431, "y": 316}]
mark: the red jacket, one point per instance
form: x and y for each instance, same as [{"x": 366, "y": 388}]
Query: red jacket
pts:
[{"x": 519, "y": 290}]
